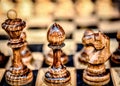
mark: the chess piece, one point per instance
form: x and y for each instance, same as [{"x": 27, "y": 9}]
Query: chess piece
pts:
[
  {"x": 105, "y": 9},
  {"x": 18, "y": 73},
  {"x": 96, "y": 74},
  {"x": 42, "y": 10},
  {"x": 62, "y": 8},
  {"x": 58, "y": 72},
  {"x": 25, "y": 52},
  {"x": 49, "y": 58},
  {"x": 87, "y": 50},
  {"x": 115, "y": 57},
  {"x": 84, "y": 8},
  {"x": 25, "y": 8}
]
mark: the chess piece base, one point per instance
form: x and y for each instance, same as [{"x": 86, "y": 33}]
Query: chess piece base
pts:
[
  {"x": 57, "y": 75},
  {"x": 100, "y": 79},
  {"x": 41, "y": 82},
  {"x": 18, "y": 77}
]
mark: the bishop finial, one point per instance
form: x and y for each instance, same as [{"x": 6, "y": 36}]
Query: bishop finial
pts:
[
  {"x": 12, "y": 14},
  {"x": 56, "y": 34}
]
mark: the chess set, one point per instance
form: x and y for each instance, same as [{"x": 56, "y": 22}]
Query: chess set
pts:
[{"x": 54, "y": 47}]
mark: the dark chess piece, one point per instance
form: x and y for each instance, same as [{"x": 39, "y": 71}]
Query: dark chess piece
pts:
[
  {"x": 115, "y": 57},
  {"x": 49, "y": 58},
  {"x": 83, "y": 58},
  {"x": 18, "y": 73},
  {"x": 96, "y": 74},
  {"x": 25, "y": 52},
  {"x": 58, "y": 72}
]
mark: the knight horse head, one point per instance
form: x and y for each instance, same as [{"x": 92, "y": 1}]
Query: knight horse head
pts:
[{"x": 99, "y": 42}]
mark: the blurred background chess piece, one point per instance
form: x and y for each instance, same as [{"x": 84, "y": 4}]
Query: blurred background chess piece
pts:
[
  {"x": 115, "y": 57},
  {"x": 84, "y": 8},
  {"x": 105, "y": 9},
  {"x": 25, "y": 8},
  {"x": 49, "y": 57},
  {"x": 64, "y": 9}
]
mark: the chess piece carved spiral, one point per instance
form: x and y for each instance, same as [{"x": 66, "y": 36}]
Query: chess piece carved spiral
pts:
[
  {"x": 58, "y": 72},
  {"x": 115, "y": 57},
  {"x": 99, "y": 52},
  {"x": 18, "y": 73}
]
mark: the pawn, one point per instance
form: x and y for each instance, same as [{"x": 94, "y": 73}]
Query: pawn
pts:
[
  {"x": 58, "y": 72},
  {"x": 25, "y": 8},
  {"x": 49, "y": 58},
  {"x": 41, "y": 10},
  {"x": 84, "y": 8},
  {"x": 105, "y": 9},
  {"x": 96, "y": 74},
  {"x": 62, "y": 7},
  {"x": 115, "y": 57}
]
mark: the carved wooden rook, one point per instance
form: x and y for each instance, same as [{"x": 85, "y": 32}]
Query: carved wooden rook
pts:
[
  {"x": 58, "y": 72},
  {"x": 17, "y": 74},
  {"x": 116, "y": 55},
  {"x": 98, "y": 53}
]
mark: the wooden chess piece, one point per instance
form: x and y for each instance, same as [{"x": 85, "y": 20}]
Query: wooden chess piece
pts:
[
  {"x": 84, "y": 8},
  {"x": 83, "y": 57},
  {"x": 115, "y": 57},
  {"x": 18, "y": 73},
  {"x": 96, "y": 74},
  {"x": 105, "y": 9},
  {"x": 25, "y": 52},
  {"x": 62, "y": 8},
  {"x": 58, "y": 72},
  {"x": 25, "y": 8},
  {"x": 42, "y": 10},
  {"x": 49, "y": 57}
]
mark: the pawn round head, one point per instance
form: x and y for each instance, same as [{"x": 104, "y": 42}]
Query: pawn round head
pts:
[{"x": 56, "y": 34}]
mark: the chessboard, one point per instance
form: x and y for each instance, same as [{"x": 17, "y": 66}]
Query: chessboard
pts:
[{"x": 74, "y": 27}]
